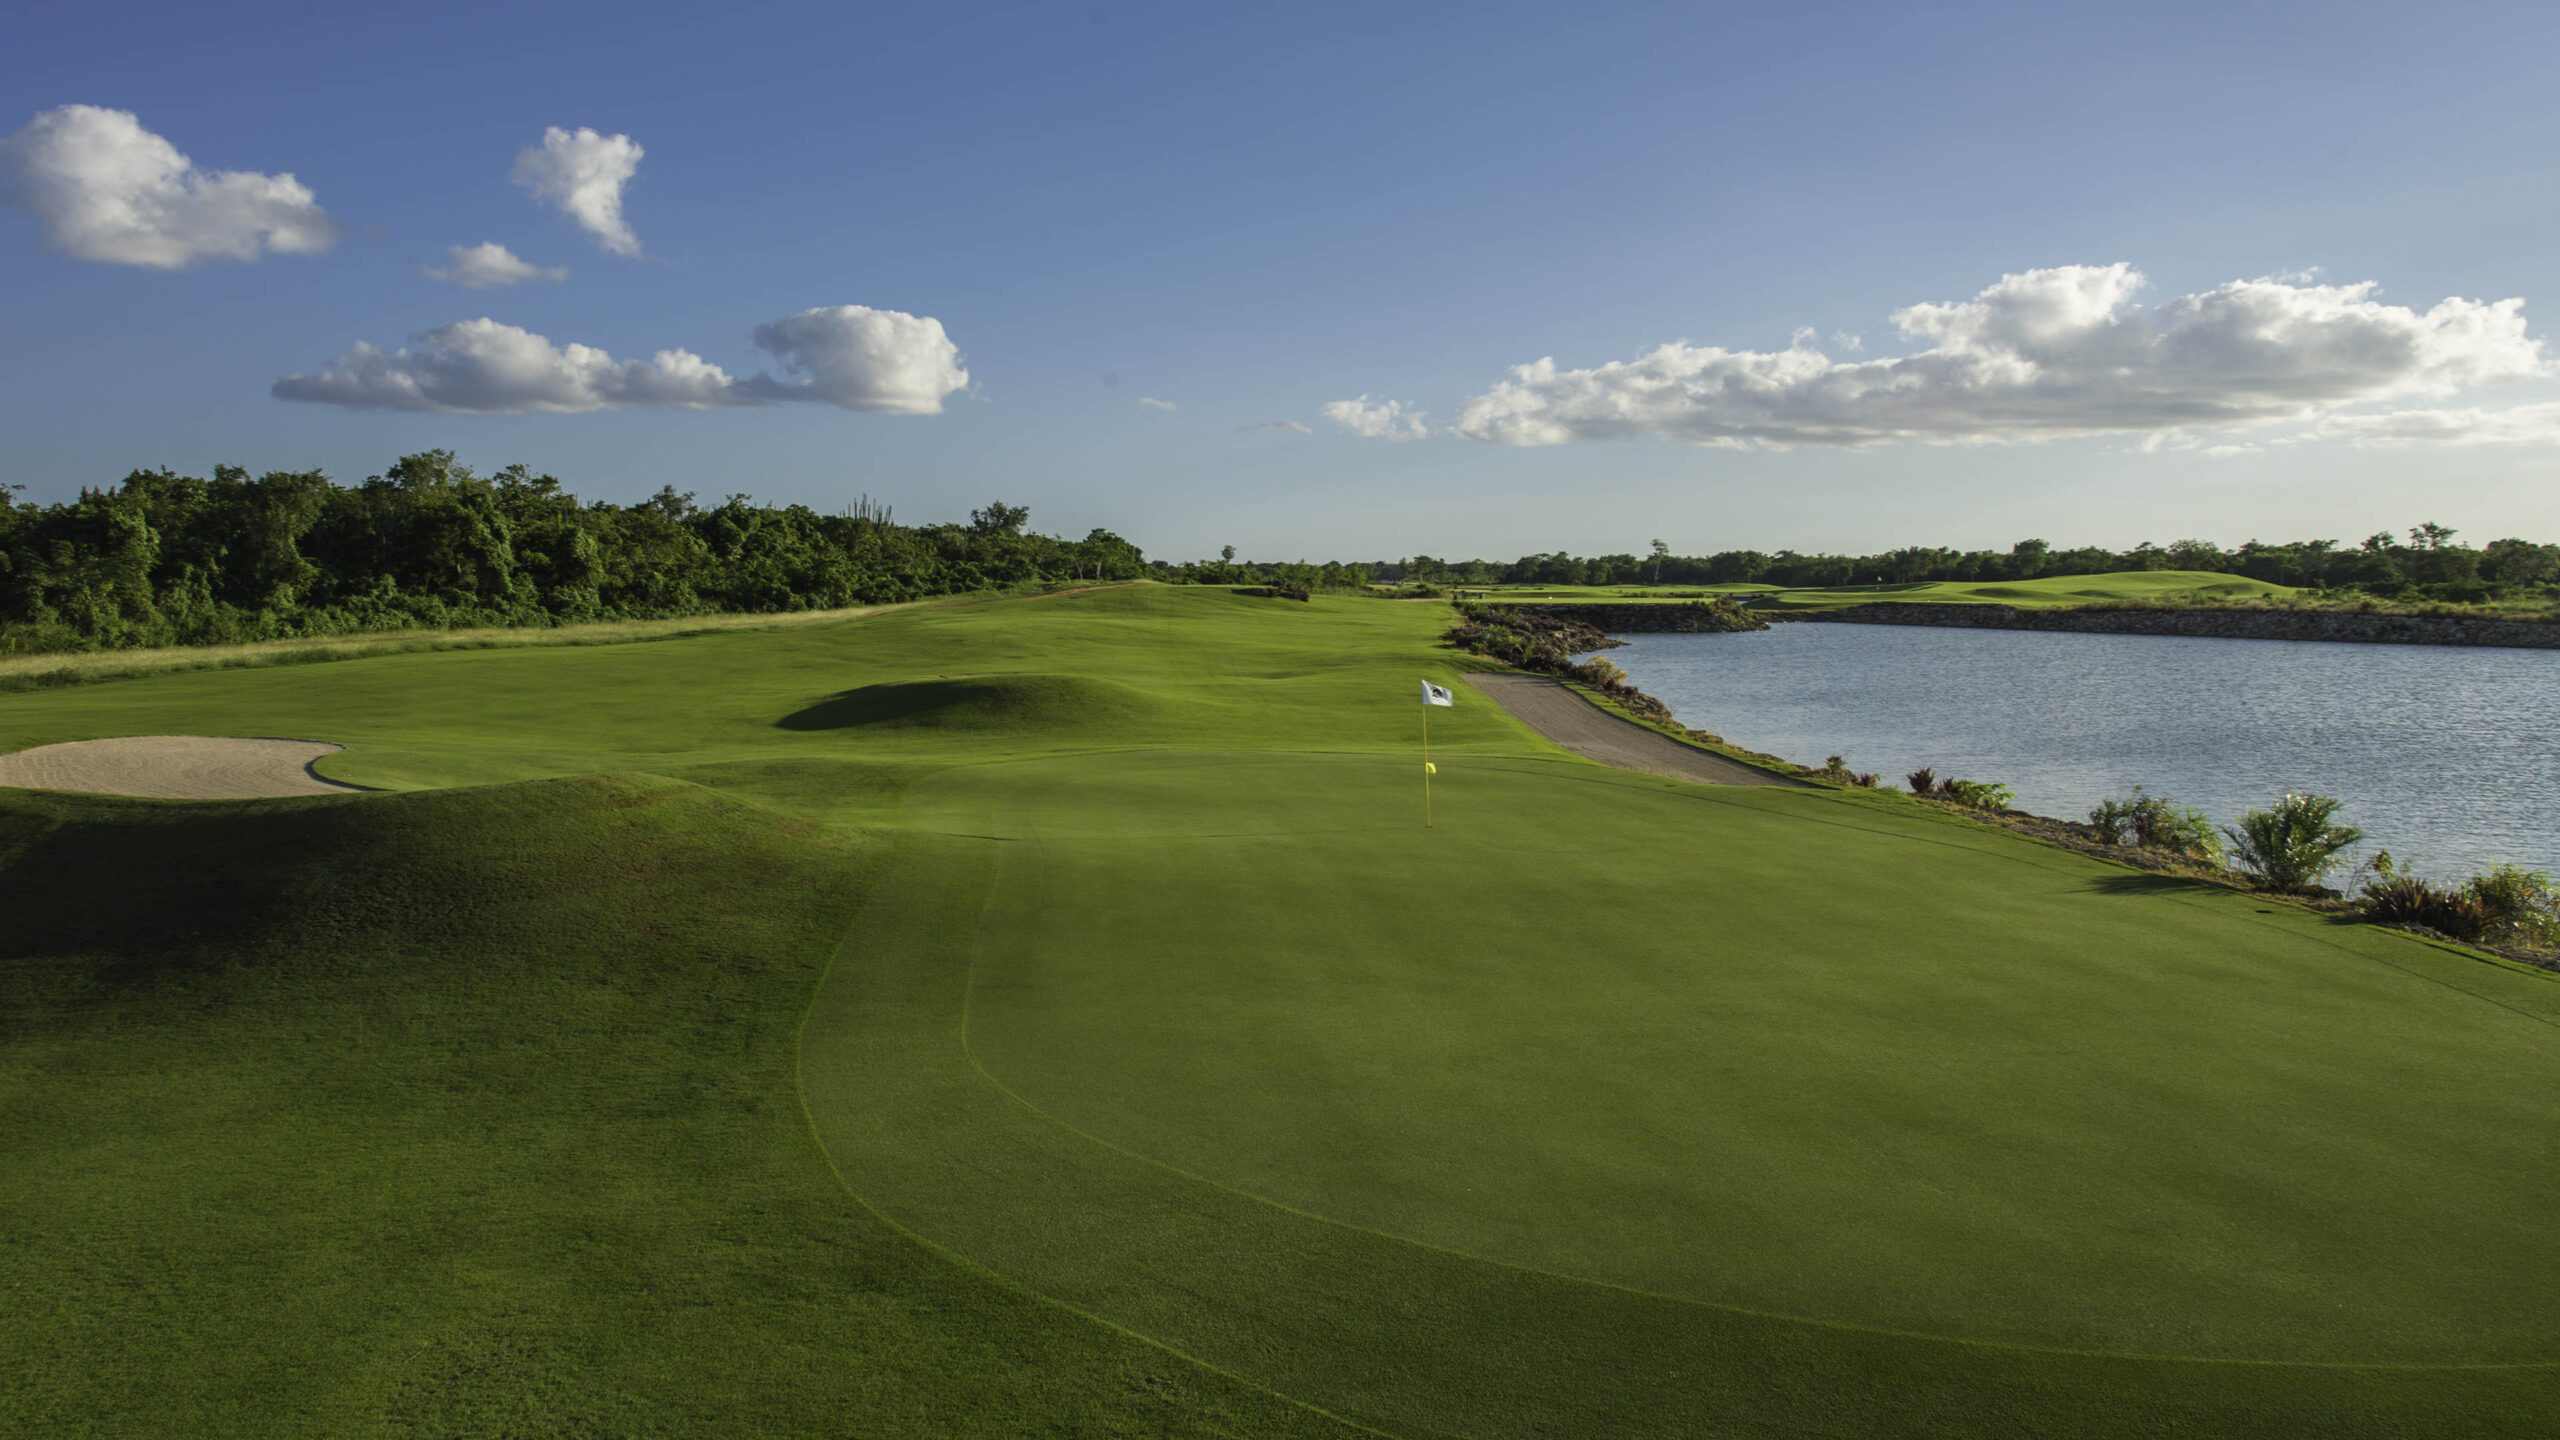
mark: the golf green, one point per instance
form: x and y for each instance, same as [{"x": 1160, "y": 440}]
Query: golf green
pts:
[{"x": 1133, "y": 994}]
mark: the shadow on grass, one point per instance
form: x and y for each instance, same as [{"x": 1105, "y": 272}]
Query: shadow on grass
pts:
[
  {"x": 2143, "y": 882},
  {"x": 980, "y": 701}
]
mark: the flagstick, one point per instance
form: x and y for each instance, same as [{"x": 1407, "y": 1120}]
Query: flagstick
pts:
[{"x": 1426, "y": 767}]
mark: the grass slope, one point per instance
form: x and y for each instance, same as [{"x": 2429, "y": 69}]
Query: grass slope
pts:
[{"x": 1608, "y": 1106}]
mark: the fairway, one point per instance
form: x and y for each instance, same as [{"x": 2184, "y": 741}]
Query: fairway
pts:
[
  {"x": 2043, "y": 592},
  {"x": 1999, "y": 1099},
  {"x": 1052, "y": 1016}
]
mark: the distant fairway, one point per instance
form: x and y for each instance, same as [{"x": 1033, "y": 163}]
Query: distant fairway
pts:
[
  {"x": 1610, "y": 1105},
  {"x": 2043, "y": 593}
]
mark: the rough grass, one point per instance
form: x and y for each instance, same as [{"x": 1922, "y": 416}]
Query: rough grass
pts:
[
  {"x": 40, "y": 671},
  {"x": 1609, "y": 1106}
]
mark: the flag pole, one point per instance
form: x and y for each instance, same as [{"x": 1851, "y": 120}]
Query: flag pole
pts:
[{"x": 1426, "y": 767}]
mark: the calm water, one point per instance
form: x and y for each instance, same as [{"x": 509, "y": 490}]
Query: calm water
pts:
[{"x": 2447, "y": 757}]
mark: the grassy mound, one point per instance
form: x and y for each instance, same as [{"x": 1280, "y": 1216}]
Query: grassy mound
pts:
[{"x": 990, "y": 702}]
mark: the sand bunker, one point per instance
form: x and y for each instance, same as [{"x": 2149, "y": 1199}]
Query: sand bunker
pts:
[{"x": 174, "y": 767}]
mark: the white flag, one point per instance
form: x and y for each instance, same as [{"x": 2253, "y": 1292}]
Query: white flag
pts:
[{"x": 1434, "y": 695}]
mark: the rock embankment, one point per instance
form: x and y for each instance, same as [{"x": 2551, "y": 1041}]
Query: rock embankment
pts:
[
  {"x": 1695, "y": 617},
  {"x": 2335, "y": 625}
]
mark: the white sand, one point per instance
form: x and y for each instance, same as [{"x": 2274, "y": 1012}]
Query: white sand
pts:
[{"x": 174, "y": 767}]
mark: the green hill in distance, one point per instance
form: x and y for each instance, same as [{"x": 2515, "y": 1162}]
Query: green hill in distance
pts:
[{"x": 1052, "y": 1017}]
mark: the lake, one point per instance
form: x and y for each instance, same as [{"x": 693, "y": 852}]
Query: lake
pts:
[{"x": 2448, "y": 757}]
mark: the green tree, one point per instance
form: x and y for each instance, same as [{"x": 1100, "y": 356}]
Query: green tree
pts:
[{"x": 999, "y": 519}]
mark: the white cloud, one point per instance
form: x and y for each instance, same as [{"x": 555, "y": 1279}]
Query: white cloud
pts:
[
  {"x": 489, "y": 265},
  {"x": 850, "y": 356},
  {"x": 2040, "y": 355},
  {"x": 481, "y": 365},
  {"x": 1384, "y": 420},
  {"x": 1153, "y": 403},
  {"x": 861, "y": 359},
  {"x": 106, "y": 189},
  {"x": 2517, "y": 425},
  {"x": 1293, "y": 427},
  {"x": 583, "y": 173}
]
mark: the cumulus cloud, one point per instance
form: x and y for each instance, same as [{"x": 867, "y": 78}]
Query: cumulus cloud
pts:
[
  {"x": 106, "y": 189},
  {"x": 850, "y": 356},
  {"x": 583, "y": 173},
  {"x": 1293, "y": 427},
  {"x": 1153, "y": 403},
  {"x": 488, "y": 265},
  {"x": 861, "y": 359},
  {"x": 2040, "y": 355},
  {"x": 1382, "y": 420},
  {"x": 2517, "y": 425},
  {"x": 481, "y": 365}
]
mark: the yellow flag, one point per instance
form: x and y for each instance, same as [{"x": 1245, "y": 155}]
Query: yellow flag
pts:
[{"x": 1430, "y": 769}]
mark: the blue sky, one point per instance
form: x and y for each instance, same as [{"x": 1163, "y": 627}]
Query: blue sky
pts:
[{"x": 1254, "y": 214}]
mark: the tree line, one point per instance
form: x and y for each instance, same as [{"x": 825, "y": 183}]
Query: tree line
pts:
[
  {"x": 2427, "y": 562},
  {"x": 168, "y": 559}
]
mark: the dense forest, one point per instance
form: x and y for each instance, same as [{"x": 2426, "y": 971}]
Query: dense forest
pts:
[{"x": 167, "y": 559}]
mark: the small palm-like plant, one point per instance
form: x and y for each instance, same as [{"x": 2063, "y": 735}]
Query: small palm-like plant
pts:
[
  {"x": 2292, "y": 844},
  {"x": 1922, "y": 780},
  {"x": 2395, "y": 899}
]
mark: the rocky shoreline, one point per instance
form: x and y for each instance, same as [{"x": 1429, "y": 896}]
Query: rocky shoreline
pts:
[
  {"x": 1695, "y": 617},
  {"x": 2332, "y": 625}
]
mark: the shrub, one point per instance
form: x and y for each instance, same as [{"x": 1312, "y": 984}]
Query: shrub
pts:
[
  {"x": 2185, "y": 832},
  {"x": 2517, "y": 906},
  {"x": 1600, "y": 671},
  {"x": 2393, "y": 899},
  {"x": 1975, "y": 794},
  {"x": 2158, "y": 823},
  {"x": 2293, "y": 844},
  {"x": 2113, "y": 819},
  {"x": 1836, "y": 769},
  {"x": 1922, "y": 780}
]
